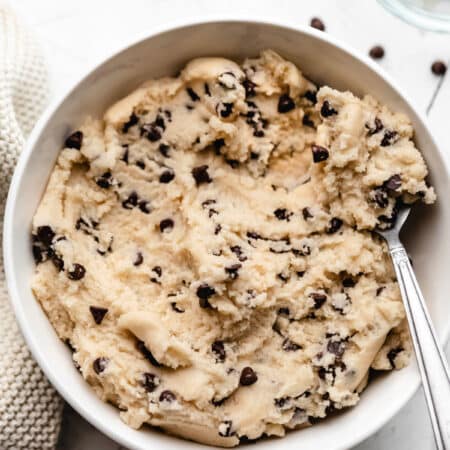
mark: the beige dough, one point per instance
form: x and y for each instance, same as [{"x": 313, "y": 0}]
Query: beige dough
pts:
[{"x": 206, "y": 249}]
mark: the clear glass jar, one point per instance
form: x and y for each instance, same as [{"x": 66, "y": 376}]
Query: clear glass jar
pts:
[{"x": 431, "y": 15}]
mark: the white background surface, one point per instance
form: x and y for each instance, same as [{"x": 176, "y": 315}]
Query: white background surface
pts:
[{"x": 77, "y": 34}]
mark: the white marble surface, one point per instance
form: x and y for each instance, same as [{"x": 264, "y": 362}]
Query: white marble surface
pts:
[{"x": 76, "y": 34}]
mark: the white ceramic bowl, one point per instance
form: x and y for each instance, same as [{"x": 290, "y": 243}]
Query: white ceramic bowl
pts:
[{"x": 164, "y": 52}]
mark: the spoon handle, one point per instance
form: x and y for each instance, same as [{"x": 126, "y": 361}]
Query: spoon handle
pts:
[{"x": 430, "y": 357}]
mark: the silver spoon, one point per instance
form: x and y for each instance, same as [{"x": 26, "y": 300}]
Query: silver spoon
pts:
[{"x": 430, "y": 357}]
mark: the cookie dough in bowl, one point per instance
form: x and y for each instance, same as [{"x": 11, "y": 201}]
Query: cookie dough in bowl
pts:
[{"x": 207, "y": 249}]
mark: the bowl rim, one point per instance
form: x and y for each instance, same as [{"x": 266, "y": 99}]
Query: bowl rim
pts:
[{"x": 19, "y": 172}]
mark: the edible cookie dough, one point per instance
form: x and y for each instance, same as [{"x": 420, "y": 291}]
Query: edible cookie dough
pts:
[{"x": 206, "y": 250}]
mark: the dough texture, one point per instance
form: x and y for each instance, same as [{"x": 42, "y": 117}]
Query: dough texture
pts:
[{"x": 206, "y": 250}]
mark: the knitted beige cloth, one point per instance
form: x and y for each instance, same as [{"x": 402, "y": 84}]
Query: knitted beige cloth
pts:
[{"x": 30, "y": 409}]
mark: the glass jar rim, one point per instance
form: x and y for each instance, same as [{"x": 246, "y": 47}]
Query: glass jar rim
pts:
[{"x": 420, "y": 17}]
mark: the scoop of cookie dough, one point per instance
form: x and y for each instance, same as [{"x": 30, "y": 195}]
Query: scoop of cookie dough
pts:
[{"x": 206, "y": 249}]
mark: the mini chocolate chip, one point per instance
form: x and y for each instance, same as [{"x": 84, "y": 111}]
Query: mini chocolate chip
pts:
[
  {"x": 258, "y": 133},
  {"x": 192, "y": 94},
  {"x": 232, "y": 270},
  {"x": 104, "y": 181},
  {"x": 77, "y": 272},
  {"x": 319, "y": 299},
  {"x": 201, "y": 175},
  {"x": 388, "y": 222},
  {"x": 225, "y": 428},
  {"x": 126, "y": 154},
  {"x": 280, "y": 402},
  {"x": 147, "y": 353},
  {"x": 439, "y": 68},
  {"x": 388, "y": 138},
  {"x": 131, "y": 201},
  {"x": 207, "y": 91},
  {"x": 217, "y": 229},
  {"x": 284, "y": 311},
  {"x": 75, "y": 140},
  {"x": 393, "y": 182},
  {"x": 45, "y": 234},
  {"x": 311, "y": 96},
  {"x": 278, "y": 252},
  {"x": 376, "y": 52},
  {"x": 381, "y": 198},
  {"x": 218, "y": 144},
  {"x": 290, "y": 346},
  {"x": 70, "y": 345},
  {"x": 133, "y": 120},
  {"x": 218, "y": 348},
  {"x": 166, "y": 224},
  {"x": 164, "y": 150},
  {"x": 207, "y": 202},
  {"x": 322, "y": 372},
  {"x": 226, "y": 110},
  {"x": 307, "y": 213},
  {"x": 150, "y": 381},
  {"x": 304, "y": 251},
  {"x": 327, "y": 110},
  {"x": 37, "y": 254},
  {"x": 176, "y": 308},
  {"x": 301, "y": 273},
  {"x": 219, "y": 402},
  {"x": 348, "y": 282},
  {"x": 306, "y": 120},
  {"x": 233, "y": 163},
  {"x": 237, "y": 250},
  {"x": 157, "y": 270},
  {"x": 249, "y": 87},
  {"x": 317, "y": 24},
  {"x": 319, "y": 153},
  {"x": 248, "y": 377},
  {"x": 282, "y": 277},
  {"x": 335, "y": 225},
  {"x": 392, "y": 354},
  {"x": 140, "y": 164},
  {"x": 204, "y": 293},
  {"x": 159, "y": 122},
  {"x": 378, "y": 126},
  {"x": 251, "y": 112},
  {"x": 285, "y": 104},
  {"x": 81, "y": 224},
  {"x": 167, "y": 396},
  {"x": 99, "y": 365},
  {"x": 282, "y": 214},
  {"x": 336, "y": 347},
  {"x": 58, "y": 262},
  {"x": 139, "y": 259},
  {"x": 151, "y": 131},
  {"x": 379, "y": 290},
  {"x": 244, "y": 439},
  {"x": 253, "y": 235},
  {"x": 98, "y": 313},
  {"x": 143, "y": 205},
  {"x": 420, "y": 194},
  {"x": 167, "y": 176},
  {"x": 254, "y": 155}
]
